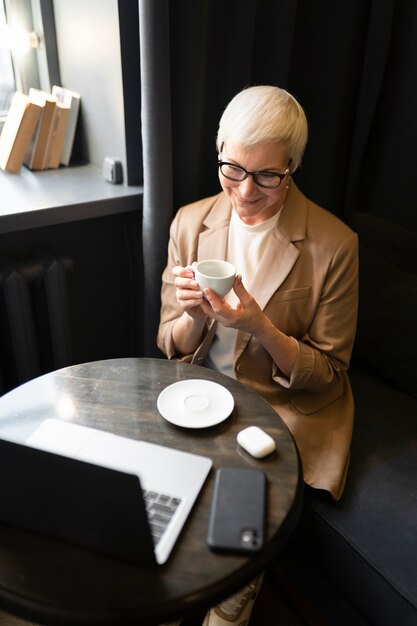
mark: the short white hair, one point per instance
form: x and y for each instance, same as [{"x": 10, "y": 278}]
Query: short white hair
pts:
[{"x": 265, "y": 114}]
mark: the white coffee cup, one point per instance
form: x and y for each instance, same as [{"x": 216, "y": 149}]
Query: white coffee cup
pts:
[{"x": 216, "y": 274}]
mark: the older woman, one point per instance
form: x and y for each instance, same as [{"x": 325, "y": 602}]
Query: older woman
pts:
[{"x": 287, "y": 328}]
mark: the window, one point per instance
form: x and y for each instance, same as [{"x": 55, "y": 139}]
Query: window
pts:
[{"x": 38, "y": 65}]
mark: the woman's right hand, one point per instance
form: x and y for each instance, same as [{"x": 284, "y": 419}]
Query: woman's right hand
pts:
[{"x": 189, "y": 295}]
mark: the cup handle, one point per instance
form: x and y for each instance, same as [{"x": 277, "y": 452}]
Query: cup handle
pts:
[{"x": 191, "y": 268}]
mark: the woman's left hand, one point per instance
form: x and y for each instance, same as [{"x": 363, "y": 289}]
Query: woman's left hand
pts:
[{"x": 247, "y": 316}]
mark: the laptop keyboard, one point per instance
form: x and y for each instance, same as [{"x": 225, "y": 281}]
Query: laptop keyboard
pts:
[{"x": 160, "y": 508}]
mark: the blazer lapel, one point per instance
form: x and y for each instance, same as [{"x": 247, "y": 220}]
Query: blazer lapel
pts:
[
  {"x": 212, "y": 242},
  {"x": 282, "y": 254},
  {"x": 278, "y": 263}
]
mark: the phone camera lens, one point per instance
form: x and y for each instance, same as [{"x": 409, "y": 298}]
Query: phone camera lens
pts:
[{"x": 249, "y": 537}]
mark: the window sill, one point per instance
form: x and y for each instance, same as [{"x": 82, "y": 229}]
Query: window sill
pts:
[{"x": 35, "y": 199}]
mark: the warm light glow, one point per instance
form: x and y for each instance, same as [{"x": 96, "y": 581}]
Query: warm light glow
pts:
[{"x": 17, "y": 39}]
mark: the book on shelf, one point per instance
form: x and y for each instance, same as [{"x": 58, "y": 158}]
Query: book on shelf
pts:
[
  {"x": 55, "y": 144},
  {"x": 18, "y": 130},
  {"x": 35, "y": 155},
  {"x": 72, "y": 100}
]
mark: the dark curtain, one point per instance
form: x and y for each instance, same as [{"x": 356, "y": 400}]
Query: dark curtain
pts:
[{"x": 351, "y": 64}]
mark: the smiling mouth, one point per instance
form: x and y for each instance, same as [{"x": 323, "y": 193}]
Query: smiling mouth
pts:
[{"x": 248, "y": 202}]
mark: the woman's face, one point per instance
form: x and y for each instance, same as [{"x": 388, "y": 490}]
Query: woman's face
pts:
[{"x": 255, "y": 204}]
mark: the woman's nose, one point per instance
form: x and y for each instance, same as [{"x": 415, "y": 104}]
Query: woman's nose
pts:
[{"x": 247, "y": 186}]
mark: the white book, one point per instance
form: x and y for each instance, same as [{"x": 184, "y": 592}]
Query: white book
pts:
[{"x": 70, "y": 99}]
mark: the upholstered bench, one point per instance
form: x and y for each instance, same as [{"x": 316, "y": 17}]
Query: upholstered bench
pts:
[{"x": 354, "y": 562}]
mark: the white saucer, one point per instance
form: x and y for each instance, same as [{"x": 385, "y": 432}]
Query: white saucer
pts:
[{"x": 195, "y": 403}]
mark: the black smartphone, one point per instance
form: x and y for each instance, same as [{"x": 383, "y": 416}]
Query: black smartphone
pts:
[{"x": 238, "y": 510}]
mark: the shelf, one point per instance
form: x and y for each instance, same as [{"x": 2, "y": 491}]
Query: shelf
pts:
[{"x": 35, "y": 199}]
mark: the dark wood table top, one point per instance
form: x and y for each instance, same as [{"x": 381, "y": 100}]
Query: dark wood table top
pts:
[{"x": 60, "y": 584}]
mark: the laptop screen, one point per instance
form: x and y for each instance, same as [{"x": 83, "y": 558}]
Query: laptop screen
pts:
[{"x": 92, "y": 506}]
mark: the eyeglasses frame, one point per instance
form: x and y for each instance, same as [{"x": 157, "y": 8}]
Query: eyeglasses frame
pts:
[{"x": 281, "y": 175}]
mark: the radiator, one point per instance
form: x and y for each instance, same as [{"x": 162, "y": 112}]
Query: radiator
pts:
[{"x": 35, "y": 335}]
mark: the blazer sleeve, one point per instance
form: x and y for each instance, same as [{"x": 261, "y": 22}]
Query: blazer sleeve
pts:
[{"x": 170, "y": 310}]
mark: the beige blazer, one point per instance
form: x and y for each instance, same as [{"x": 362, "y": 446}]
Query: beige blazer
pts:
[{"x": 310, "y": 293}]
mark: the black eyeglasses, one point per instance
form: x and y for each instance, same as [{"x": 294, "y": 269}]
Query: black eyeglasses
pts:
[{"x": 270, "y": 180}]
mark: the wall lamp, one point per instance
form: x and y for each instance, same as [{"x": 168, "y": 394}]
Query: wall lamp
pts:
[{"x": 18, "y": 39}]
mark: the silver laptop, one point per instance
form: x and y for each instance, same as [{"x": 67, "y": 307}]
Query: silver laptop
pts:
[{"x": 121, "y": 496}]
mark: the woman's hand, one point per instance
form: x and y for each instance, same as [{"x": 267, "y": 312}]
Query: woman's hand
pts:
[
  {"x": 188, "y": 294},
  {"x": 247, "y": 316},
  {"x": 189, "y": 328}
]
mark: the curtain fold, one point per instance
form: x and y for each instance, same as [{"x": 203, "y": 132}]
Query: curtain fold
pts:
[
  {"x": 157, "y": 156},
  {"x": 375, "y": 60}
]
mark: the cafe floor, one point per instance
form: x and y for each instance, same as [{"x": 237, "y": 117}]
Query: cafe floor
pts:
[
  {"x": 280, "y": 603},
  {"x": 272, "y": 608}
]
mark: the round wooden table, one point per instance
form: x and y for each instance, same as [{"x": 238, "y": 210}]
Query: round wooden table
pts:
[{"x": 55, "y": 583}]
